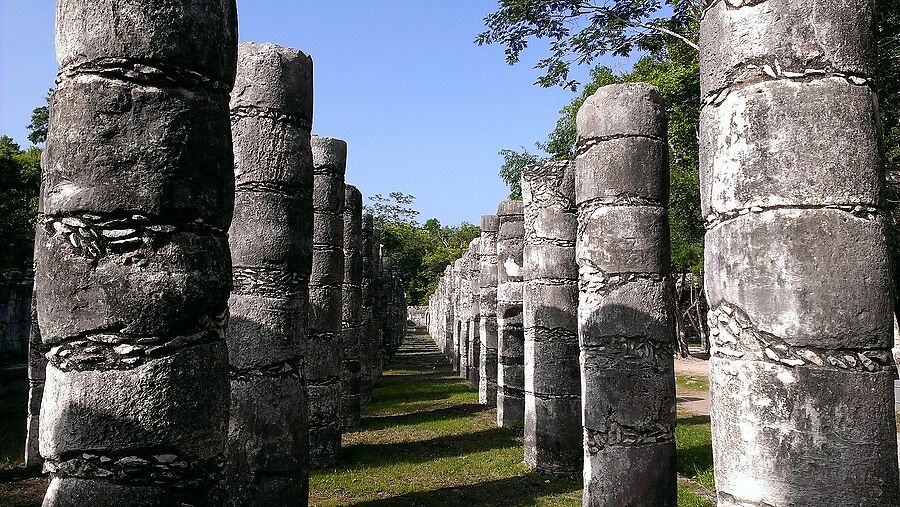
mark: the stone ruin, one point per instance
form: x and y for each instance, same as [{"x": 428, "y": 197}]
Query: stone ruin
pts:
[
  {"x": 212, "y": 308},
  {"x": 797, "y": 277}
]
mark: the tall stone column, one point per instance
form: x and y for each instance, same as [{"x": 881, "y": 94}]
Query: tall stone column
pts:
[
  {"x": 797, "y": 271},
  {"x": 378, "y": 308},
  {"x": 447, "y": 320},
  {"x": 271, "y": 117},
  {"x": 625, "y": 307},
  {"x": 510, "y": 333},
  {"x": 367, "y": 314},
  {"x": 553, "y": 441},
  {"x": 351, "y": 327},
  {"x": 131, "y": 252},
  {"x": 37, "y": 375},
  {"x": 474, "y": 349},
  {"x": 464, "y": 312},
  {"x": 324, "y": 350},
  {"x": 390, "y": 308},
  {"x": 487, "y": 336}
]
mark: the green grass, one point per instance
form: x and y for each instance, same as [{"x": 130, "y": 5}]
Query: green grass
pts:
[{"x": 692, "y": 382}]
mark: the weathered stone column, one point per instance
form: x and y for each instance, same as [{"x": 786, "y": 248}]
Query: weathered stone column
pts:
[
  {"x": 447, "y": 320},
  {"x": 464, "y": 312},
  {"x": 271, "y": 117},
  {"x": 625, "y": 325},
  {"x": 389, "y": 307},
  {"x": 37, "y": 375},
  {"x": 351, "y": 327},
  {"x": 367, "y": 315},
  {"x": 487, "y": 336},
  {"x": 131, "y": 253},
  {"x": 510, "y": 333},
  {"x": 378, "y": 308},
  {"x": 553, "y": 441},
  {"x": 324, "y": 351},
  {"x": 474, "y": 348},
  {"x": 797, "y": 274}
]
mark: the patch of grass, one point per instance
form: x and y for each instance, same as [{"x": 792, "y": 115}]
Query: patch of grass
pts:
[
  {"x": 692, "y": 382},
  {"x": 693, "y": 442}
]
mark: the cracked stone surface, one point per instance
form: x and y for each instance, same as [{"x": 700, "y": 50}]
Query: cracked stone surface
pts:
[
  {"x": 625, "y": 307},
  {"x": 797, "y": 267},
  {"x": 132, "y": 252},
  {"x": 510, "y": 332}
]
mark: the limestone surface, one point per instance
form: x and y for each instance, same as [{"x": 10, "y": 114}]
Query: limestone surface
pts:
[
  {"x": 487, "y": 279},
  {"x": 510, "y": 333},
  {"x": 324, "y": 352},
  {"x": 553, "y": 440},
  {"x": 625, "y": 307},
  {"x": 796, "y": 260},
  {"x": 351, "y": 323},
  {"x": 132, "y": 265}
]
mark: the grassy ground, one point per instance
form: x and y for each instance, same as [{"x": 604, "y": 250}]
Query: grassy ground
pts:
[
  {"x": 423, "y": 441},
  {"x": 692, "y": 382}
]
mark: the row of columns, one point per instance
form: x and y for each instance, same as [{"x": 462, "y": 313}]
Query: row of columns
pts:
[
  {"x": 213, "y": 306},
  {"x": 797, "y": 277}
]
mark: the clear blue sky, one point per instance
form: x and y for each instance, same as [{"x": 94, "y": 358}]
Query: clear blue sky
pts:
[{"x": 423, "y": 109}]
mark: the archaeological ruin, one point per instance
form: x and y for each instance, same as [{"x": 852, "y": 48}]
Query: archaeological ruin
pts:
[{"x": 218, "y": 314}]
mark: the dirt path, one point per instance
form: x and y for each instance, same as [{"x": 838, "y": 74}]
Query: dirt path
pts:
[{"x": 694, "y": 400}]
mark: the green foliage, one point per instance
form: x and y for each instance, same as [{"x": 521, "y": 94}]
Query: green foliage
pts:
[
  {"x": 40, "y": 122},
  {"x": 511, "y": 170},
  {"x": 580, "y": 31},
  {"x": 420, "y": 252},
  {"x": 20, "y": 177},
  {"x": 887, "y": 32}
]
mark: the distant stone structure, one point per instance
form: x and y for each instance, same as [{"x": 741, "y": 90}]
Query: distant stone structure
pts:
[
  {"x": 553, "y": 435},
  {"x": 625, "y": 309},
  {"x": 324, "y": 350},
  {"x": 487, "y": 336},
  {"x": 132, "y": 265},
  {"x": 797, "y": 267},
  {"x": 271, "y": 117},
  {"x": 16, "y": 288},
  {"x": 351, "y": 323},
  {"x": 418, "y": 317},
  {"x": 510, "y": 334}
]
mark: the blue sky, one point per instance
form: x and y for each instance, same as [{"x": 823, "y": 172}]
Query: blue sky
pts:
[{"x": 423, "y": 109}]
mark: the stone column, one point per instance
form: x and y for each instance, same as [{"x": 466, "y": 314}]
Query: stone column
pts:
[
  {"x": 131, "y": 253},
  {"x": 378, "y": 308},
  {"x": 37, "y": 375},
  {"x": 625, "y": 325},
  {"x": 389, "y": 308},
  {"x": 510, "y": 334},
  {"x": 457, "y": 315},
  {"x": 474, "y": 348},
  {"x": 271, "y": 116},
  {"x": 324, "y": 352},
  {"x": 553, "y": 442},
  {"x": 351, "y": 327},
  {"x": 487, "y": 336},
  {"x": 447, "y": 320},
  {"x": 464, "y": 315},
  {"x": 797, "y": 271},
  {"x": 367, "y": 314}
]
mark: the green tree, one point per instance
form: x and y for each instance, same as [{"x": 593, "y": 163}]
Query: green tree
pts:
[
  {"x": 20, "y": 176},
  {"x": 40, "y": 121},
  {"x": 580, "y": 31}
]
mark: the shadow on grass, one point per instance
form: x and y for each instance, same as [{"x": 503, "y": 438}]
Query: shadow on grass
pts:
[
  {"x": 694, "y": 457},
  {"x": 520, "y": 490},
  {"x": 397, "y": 391},
  {"x": 419, "y": 417},
  {"x": 377, "y": 455}
]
